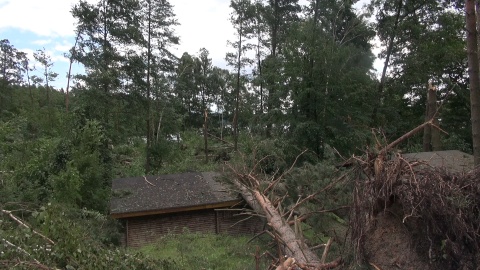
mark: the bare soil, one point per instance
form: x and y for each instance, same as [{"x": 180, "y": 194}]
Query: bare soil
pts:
[{"x": 390, "y": 245}]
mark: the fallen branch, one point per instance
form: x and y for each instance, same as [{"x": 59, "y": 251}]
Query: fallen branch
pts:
[
  {"x": 405, "y": 136},
  {"x": 312, "y": 196},
  {"x": 374, "y": 266},
  {"x": 150, "y": 183},
  {"x": 22, "y": 223},
  {"x": 240, "y": 221},
  {"x": 11, "y": 264},
  {"x": 288, "y": 241},
  {"x": 256, "y": 236},
  {"x": 295, "y": 248},
  {"x": 325, "y": 251},
  {"x": 420, "y": 127},
  {"x": 330, "y": 265},
  {"x": 318, "y": 246},
  {"x": 19, "y": 249}
]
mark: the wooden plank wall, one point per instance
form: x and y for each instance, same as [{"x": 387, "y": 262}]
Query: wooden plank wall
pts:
[
  {"x": 233, "y": 223},
  {"x": 144, "y": 230},
  {"x": 148, "y": 229}
]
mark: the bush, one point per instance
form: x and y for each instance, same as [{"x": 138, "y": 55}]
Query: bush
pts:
[{"x": 82, "y": 240}]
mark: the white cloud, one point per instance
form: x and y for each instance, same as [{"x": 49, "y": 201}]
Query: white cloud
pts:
[
  {"x": 42, "y": 42},
  {"x": 204, "y": 24},
  {"x": 57, "y": 58},
  {"x": 29, "y": 53},
  {"x": 63, "y": 47},
  {"x": 49, "y": 18}
]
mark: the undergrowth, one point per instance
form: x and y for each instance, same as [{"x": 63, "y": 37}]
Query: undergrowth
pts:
[
  {"x": 207, "y": 251},
  {"x": 185, "y": 155}
]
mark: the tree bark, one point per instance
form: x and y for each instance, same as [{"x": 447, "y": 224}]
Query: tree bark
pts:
[
  {"x": 205, "y": 135},
  {"x": 149, "y": 64},
  {"x": 69, "y": 76},
  {"x": 271, "y": 102},
  {"x": 295, "y": 248},
  {"x": 436, "y": 142},
  {"x": 431, "y": 136},
  {"x": 237, "y": 94},
  {"x": 427, "y": 130},
  {"x": 389, "y": 52},
  {"x": 473, "y": 74}
]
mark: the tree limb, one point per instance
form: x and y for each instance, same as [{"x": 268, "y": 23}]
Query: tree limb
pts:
[
  {"x": 19, "y": 249},
  {"x": 22, "y": 223}
]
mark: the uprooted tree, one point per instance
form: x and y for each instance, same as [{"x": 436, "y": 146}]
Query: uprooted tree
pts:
[
  {"x": 280, "y": 221},
  {"x": 410, "y": 215},
  {"x": 437, "y": 207},
  {"x": 427, "y": 217}
]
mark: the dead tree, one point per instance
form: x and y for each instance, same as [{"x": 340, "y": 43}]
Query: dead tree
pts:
[
  {"x": 431, "y": 136},
  {"x": 304, "y": 257}
]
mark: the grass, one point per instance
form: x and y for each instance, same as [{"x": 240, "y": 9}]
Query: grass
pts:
[{"x": 206, "y": 251}]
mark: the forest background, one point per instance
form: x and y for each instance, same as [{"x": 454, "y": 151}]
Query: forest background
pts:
[{"x": 299, "y": 77}]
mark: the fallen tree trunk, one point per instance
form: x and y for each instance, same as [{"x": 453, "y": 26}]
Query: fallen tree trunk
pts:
[
  {"x": 304, "y": 257},
  {"x": 295, "y": 247}
]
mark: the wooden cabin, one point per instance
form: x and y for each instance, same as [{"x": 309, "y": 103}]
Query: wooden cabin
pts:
[{"x": 152, "y": 206}]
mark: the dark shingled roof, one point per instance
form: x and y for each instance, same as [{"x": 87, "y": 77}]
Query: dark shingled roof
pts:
[
  {"x": 452, "y": 160},
  {"x": 150, "y": 194}
]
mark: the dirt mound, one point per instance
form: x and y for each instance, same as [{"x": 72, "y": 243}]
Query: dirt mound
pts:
[
  {"x": 409, "y": 215},
  {"x": 389, "y": 244}
]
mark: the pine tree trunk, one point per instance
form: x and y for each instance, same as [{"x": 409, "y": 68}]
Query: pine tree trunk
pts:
[
  {"x": 205, "y": 135},
  {"x": 271, "y": 102},
  {"x": 237, "y": 95},
  {"x": 149, "y": 125},
  {"x": 431, "y": 136},
  {"x": 69, "y": 75},
  {"x": 432, "y": 106},
  {"x": 427, "y": 130},
  {"x": 262, "y": 205},
  {"x": 473, "y": 74},
  {"x": 304, "y": 257},
  {"x": 381, "y": 85}
]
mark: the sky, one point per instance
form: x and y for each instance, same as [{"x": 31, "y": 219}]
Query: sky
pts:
[{"x": 30, "y": 25}]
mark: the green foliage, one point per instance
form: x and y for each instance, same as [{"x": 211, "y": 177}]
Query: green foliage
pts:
[
  {"x": 11, "y": 64},
  {"x": 268, "y": 156},
  {"x": 31, "y": 180},
  {"x": 91, "y": 157},
  {"x": 75, "y": 169},
  {"x": 185, "y": 155},
  {"x": 428, "y": 46},
  {"x": 128, "y": 159},
  {"x": 168, "y": 156},
  {"x": 327, "y": 78},
  {"x": 310, "y": 178},
  {"x": 66, "y": 185},
  {"x": 329, "y": 209},
  {"x": 82, "y": 240},
  {"x": 45, "y": 60}
]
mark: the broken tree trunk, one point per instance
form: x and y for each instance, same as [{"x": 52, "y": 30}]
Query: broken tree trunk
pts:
[
  {"x": 295, "y": 247},
  {"x": 431, "y": 135},
  {"x": 304, "y": 257}
]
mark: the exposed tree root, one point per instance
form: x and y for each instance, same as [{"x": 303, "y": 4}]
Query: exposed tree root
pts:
[{"x": 441, "y": 208}]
